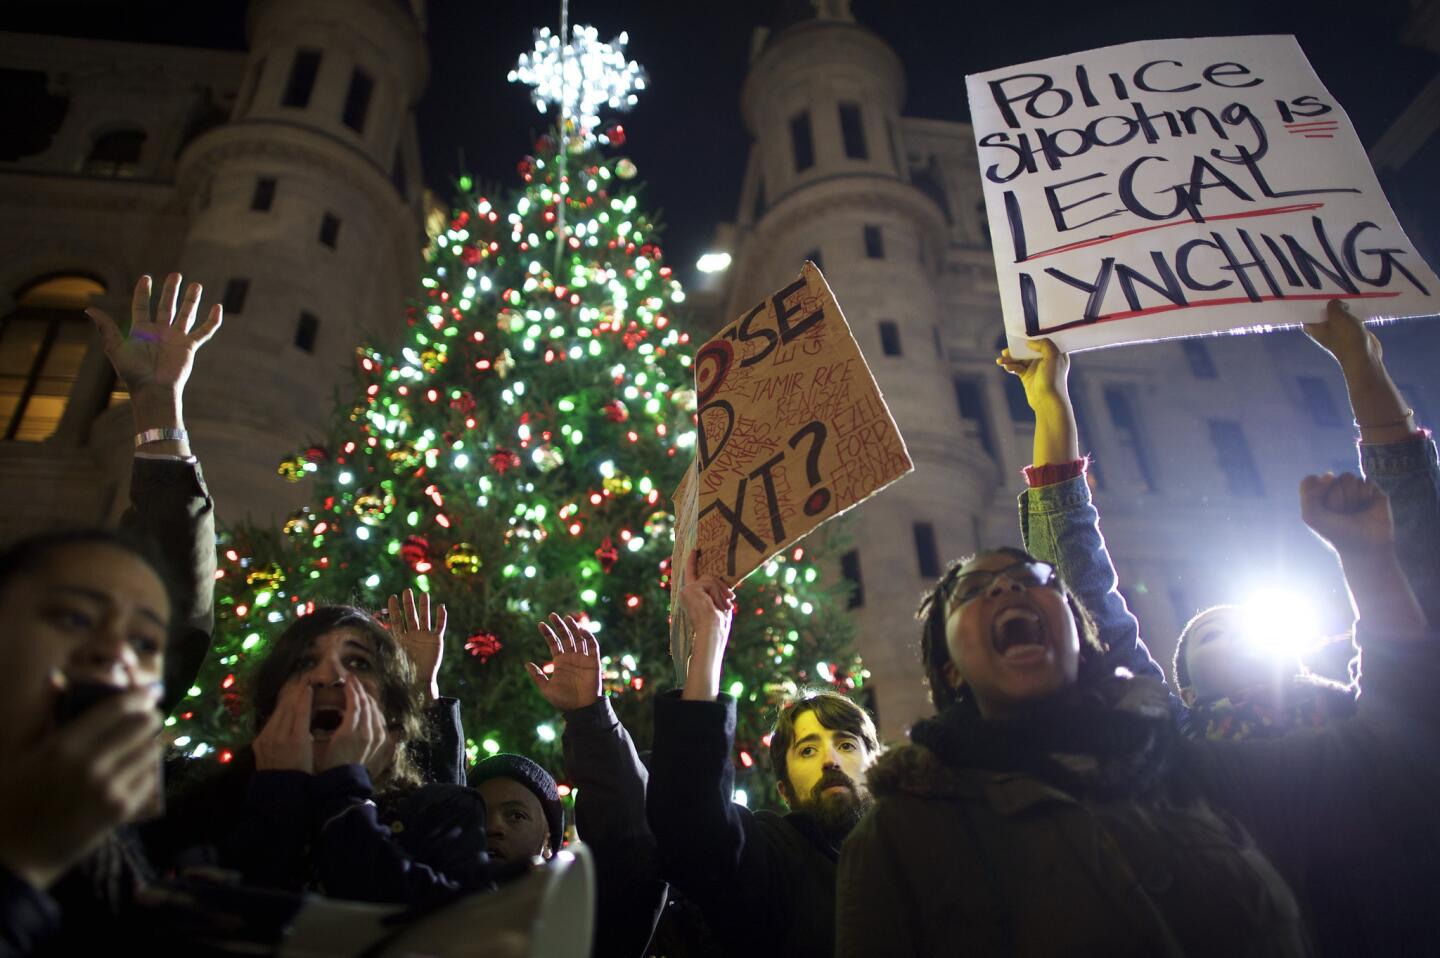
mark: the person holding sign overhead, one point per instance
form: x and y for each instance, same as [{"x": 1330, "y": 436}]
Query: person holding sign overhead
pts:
[
  {"x": 1358, "y": 895},
  {"x": 1052, "y": 808},
  {"x": 765, "y": 882}
]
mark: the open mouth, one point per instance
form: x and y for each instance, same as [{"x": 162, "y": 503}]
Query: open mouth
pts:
[
  {"x": 325, "y": 720},
  {"x": 1017, "y": 628}
]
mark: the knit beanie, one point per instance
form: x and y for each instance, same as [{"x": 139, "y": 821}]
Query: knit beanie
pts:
[{"x": 520, "y": 769}]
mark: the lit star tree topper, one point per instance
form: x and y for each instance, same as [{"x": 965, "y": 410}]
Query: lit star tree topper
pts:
[{"x": 581, "y": 77}]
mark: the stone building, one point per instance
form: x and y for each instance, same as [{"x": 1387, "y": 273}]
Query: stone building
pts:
[
  {"x": 285, "y": 179},
  {"x": 1199, "y": 445}
]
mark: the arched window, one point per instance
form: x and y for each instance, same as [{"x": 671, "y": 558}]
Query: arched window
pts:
[
  {"x": 114, "y": 154},
  {"x": 42, "y": 344}
]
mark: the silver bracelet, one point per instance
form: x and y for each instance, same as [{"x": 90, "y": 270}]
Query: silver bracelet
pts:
[{"x": 160, "y": 435}]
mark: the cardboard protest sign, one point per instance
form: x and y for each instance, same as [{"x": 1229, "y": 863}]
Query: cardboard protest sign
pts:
[
  {"x": 792, "y": 431},
  {"x": 1178, "y": 187}
]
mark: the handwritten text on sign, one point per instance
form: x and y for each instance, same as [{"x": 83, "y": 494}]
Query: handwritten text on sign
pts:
[
  {"x": 1177, "y": 187},
  {"x": 792, "y": 428}
]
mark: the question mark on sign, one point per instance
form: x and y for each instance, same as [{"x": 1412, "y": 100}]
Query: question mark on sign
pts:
[{"x": 819, "y": 498}]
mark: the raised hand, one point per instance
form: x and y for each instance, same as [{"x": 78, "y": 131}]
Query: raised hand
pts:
[
  {"x": 575, "y": 681},
  {"x": 422, "y": 639},
  {"x": 1047, "y": 390},
  {"x": 709, "y": 605},
  {"x": 1046, "y": 379},
  {"x": 361, "y": 738},
  {"x": 1351, "y": 515},
  {"x": 286, "y": 742},
  {"x": 159, "y": 352},
  {"x": 1343, "y": 335},
  {"x": 59, "y": 796}
]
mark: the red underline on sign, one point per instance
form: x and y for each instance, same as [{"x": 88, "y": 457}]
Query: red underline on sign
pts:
[
  {"x": 1097, "y": 240},
  {"x": 1226, "y": 301},
  {"x": 1296, "y": 126}
]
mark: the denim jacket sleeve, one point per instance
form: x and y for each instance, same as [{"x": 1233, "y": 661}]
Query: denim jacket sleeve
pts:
[
  {"x": 1060, "y": 525},
  {"x": 1409, "y": 474}
]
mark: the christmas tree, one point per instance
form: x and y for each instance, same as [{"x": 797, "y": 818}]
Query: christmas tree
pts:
[{"x": 515, "y": 456}]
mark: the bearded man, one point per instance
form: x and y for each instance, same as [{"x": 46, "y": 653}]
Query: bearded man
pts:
[{"x": 764, "y": 881}]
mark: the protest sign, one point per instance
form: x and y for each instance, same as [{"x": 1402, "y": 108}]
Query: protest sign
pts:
[
  {"x": 791, "y": 431},
  {"x": 1178, "y": 187}
]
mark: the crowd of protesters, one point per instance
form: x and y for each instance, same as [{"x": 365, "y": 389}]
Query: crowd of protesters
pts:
[{"x": 1063, "y": 799}]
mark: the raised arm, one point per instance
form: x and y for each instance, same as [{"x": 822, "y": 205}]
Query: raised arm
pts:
[
  {"x": 708, "y": 845},
  {"x": 1397, "y": 455},
  {"x": 169, "y": 502},
  {"x": 1368, "y": 776},
  {"x": 609, "y": 781},
  {"x": 440, "y": 755},
  {"x": 1058, "y": 520}
]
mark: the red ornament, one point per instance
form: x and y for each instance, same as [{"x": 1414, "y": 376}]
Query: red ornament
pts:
[
  {"x": 616, "y": 135},
  {"x": 526, "y": 166},
  {"x": 545, "y": 144},
  {"x": 607, "y": 554},
  {"x": 415, "y": 550},
  {"x": 463, "y": 403},
  {"x": 469, "y": 254},
  {"x": 504, "y": 459},
  {"x": 458, "y": 223},
  {"x": 317, "y": 454},
  {"x": 616, "y": 411},
  {"x": 482, "y": 645}
]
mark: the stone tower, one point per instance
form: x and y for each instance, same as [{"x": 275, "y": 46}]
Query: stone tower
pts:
[
  {"x": 827, "y": 181},
  {"x": 304, "y": 215}
]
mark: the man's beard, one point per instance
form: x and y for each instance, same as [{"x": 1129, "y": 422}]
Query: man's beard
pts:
[{"x": 837, "y": 813}]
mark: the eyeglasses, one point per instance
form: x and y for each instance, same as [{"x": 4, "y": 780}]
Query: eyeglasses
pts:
[{"x": 971, "y": 585}]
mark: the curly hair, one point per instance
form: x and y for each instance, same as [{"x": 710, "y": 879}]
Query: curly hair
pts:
[
  {"x": 399, "y": 698},
  {"x": 935, "y": 651}
]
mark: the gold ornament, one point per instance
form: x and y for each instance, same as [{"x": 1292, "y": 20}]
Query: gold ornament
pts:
[
  {"x": 618, "y": 485},
  {"x": 268, "y": 576},
  {"x": 504, "y": 363},
  {"x": 299, "y": 523},
  {"x": 404, "y": 455},
  {"x": 431, "y": 360},
  {"x": 463, "y": 559},
  {"x": 626, "y": 169},
  {"x": 293, "y": 469},
  {"x": 373, "y": 505},
  {"x": 658, "y": 525}
]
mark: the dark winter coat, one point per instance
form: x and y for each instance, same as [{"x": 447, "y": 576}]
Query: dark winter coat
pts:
[
  {"x": 1358, "y": 895},
  {"x": 765, "y": 882},
  {"x": 1056, "y": 857},
  {"x": 610, "y": 781},
  {"x": 170, "y": 506}
]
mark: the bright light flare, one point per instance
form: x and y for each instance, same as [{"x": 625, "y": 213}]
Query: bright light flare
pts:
[
  {"x": 713, "y": 263},
  {"x": 1282, "y": 622}
]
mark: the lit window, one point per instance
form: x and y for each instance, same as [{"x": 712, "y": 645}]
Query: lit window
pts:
[{"x": 42, "y": 345}]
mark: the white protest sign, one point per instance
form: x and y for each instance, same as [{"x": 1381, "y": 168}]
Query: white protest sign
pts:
[{"x": 1179, "y": 187}]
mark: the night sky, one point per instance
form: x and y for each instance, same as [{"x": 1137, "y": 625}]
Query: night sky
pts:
[{"x": 686, "y": 134}]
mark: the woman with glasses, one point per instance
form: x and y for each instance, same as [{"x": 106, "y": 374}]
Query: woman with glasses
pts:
[{"x": 1052, "y": 807}]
